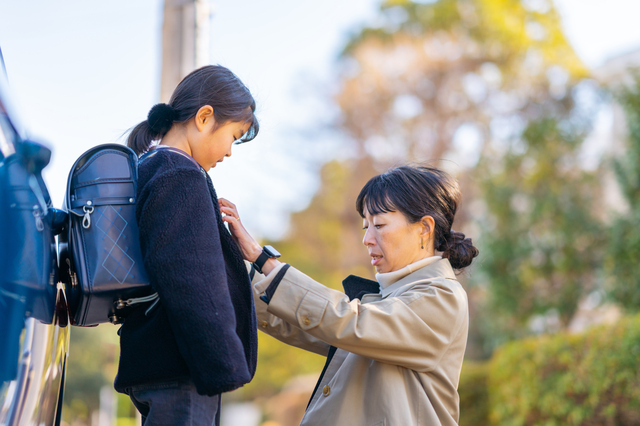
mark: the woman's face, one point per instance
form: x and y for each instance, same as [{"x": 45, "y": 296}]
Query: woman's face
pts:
[{"x": 392, "y": 241}]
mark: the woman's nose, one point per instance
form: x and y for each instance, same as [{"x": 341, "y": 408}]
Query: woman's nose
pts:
[{"x": 368, "y": 239}]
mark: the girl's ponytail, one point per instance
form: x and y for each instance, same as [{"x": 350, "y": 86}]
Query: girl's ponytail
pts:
[
  {"x": 157, "y": 124},
  {"x": 212, "y": 85}
]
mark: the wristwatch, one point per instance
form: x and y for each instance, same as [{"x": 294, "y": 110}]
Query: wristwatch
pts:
[{"x": 268, "y": 252}]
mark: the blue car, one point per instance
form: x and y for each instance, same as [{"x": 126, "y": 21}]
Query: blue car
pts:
[{"x": 34, "y": 314}]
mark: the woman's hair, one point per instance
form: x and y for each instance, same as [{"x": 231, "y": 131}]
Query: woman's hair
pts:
[
  {"x": 418, "y": 191},
  {"x": 212, "y": 85}
]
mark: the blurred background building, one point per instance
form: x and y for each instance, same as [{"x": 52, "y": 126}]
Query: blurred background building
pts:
[{"x": 186, "y": 35}]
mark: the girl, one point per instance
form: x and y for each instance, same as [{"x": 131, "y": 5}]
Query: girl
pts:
[{"x": 200, "y": 340}]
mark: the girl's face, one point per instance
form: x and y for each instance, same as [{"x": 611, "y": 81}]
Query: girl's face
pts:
[
  {"x": 215, "y": 142},
  {"x": 392, "y": 241}
]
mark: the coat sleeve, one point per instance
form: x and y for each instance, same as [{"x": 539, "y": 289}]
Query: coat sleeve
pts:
[
  {"x": 413, "y": 330},
  {"x": 183, "y": 256},
  {"x": 280, "y": 329}
]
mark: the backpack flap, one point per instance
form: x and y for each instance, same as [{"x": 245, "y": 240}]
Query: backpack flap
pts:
[{"x": 103, "y": 248}]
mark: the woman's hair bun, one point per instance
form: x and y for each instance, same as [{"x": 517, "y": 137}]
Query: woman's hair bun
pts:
[
  {"x": 458, "y": 249},
  {"x": 161, "y": 118}
]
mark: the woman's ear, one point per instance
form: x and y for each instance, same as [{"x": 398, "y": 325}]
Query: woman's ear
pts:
[
  {"x": 205, "y": 118},
  {"x": 428, "y": 226}
]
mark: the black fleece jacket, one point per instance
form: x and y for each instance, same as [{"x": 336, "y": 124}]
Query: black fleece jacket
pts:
[{"x": 204, "y": 328}]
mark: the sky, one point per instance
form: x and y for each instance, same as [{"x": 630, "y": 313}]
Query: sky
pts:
[{"x": 83, "y": 72}]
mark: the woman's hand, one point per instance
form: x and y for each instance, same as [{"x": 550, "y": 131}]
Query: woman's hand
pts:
[{"x": 249, "y": 247}]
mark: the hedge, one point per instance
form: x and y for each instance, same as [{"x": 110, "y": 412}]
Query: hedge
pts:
[
  {"x": 474, "y": 399},
  {"x": 591, "y": 378}
]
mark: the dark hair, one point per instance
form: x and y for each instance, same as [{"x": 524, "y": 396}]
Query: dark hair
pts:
[
  {"x": 212, "y": 85},
  {"x": 418, "y": 191}
]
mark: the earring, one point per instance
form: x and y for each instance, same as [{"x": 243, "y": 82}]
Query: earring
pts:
[{"x": 421, "y": 243}]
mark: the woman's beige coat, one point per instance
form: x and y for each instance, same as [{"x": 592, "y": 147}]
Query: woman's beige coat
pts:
[{"x": 399, "y": 353}]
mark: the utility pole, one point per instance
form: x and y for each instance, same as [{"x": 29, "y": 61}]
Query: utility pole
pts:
[{"x": 185, "y": 41}]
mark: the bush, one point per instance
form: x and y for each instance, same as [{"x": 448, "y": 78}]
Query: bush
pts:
[
  {"x": 586, "y": 379},
  {"x": 474, "y": 399}
]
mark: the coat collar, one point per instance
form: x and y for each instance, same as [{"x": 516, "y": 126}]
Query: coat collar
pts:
[
  {"x": 356, "y": 287},
  {"x": 438, "y": 269}
]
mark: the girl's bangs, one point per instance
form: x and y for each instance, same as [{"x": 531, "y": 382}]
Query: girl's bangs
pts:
[{"x": 252, "y": 132}]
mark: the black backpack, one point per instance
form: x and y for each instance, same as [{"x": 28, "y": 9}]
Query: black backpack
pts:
[{"x": 100, "y": 254}]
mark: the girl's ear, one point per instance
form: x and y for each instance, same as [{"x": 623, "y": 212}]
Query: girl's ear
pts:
[{"x": 204, "y": 117}]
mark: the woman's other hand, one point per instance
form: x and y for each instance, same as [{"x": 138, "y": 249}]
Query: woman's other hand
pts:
[{"x": 249, "y": 247}]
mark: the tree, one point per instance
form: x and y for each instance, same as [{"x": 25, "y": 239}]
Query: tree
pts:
[
  {"x": 474, "y": 81},
  {"x": 450, "y": 79},
  {"x": 440, "y": 80},
  {"x": 540, "y": 234},
  {"x": 624, "y": 245}
]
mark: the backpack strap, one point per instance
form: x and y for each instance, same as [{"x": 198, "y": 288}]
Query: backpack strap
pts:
[{"x": 153, "y": 152}]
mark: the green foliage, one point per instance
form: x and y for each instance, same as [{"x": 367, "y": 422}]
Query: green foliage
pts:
[
  {"x": 540, "y": 239},
  {"x": 126, "y": 421},
  {"x": 92, "y": 364},
  {"x": 624, "y": 244},
  {"x": 474, "y": 396},
  {"x": 586, "y": 379},
  {"x": 502, "y": 27},
  {"x": 455, "y": 63}
]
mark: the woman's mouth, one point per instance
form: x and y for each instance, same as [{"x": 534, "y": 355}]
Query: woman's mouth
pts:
[{"x": 375, "y": 259}]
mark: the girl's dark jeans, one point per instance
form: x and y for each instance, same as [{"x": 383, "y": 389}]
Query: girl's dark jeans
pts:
[{"x": 175, "y": 403}]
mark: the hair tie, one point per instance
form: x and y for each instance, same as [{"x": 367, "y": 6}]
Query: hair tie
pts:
[
  {"x": 161, "y": 118},
  {"x": 443, "y": 241}
]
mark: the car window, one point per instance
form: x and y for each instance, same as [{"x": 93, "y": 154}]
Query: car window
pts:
[{"x": 7, "y": 135}]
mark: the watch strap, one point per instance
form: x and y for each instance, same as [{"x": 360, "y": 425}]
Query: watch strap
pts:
[{"x": 260, "y": 261}]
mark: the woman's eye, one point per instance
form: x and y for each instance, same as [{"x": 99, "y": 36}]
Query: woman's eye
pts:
[{"x": 378, "y": 226}]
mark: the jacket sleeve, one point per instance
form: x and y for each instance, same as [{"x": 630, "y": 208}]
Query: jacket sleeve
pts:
[
  {"x": 413, "y": 330},
  {"x": 183, "y": 256},
  {"x": 280, "y": 329}
]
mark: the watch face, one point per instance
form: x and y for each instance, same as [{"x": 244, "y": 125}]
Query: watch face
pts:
[{"x": 271, "y": 252}]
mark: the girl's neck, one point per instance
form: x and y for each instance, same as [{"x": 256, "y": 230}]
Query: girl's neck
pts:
[{"x": 177, "y": 138}]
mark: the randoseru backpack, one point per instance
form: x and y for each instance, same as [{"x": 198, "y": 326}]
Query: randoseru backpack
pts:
[{"x": 100, "y": 252}]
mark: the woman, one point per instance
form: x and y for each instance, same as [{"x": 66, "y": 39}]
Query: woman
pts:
[
  {"x": 395, "y": 347},
  {"x": 200, "y": 339}
]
